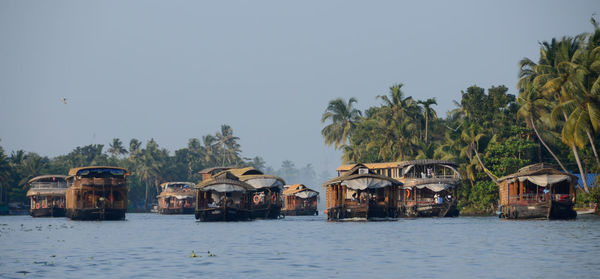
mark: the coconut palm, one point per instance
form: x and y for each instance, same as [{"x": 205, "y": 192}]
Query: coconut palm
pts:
[
  {"x": 116, "y": 148},
  {"x": 344, "y": 119},
  {"x": 532, "y": 105},
  {"x": 229, "y": 149},
  {"x": 429, "y": 113}
]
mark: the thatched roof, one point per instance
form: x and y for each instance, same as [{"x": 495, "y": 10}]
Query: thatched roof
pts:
[
  {"x": 46, "y": 192},
  {"x": 353, "y": 174},
  {"x": 165, "y": 184},
  {"x": 214, "y": 170},
  {"x": 224, "y": 182},
  {"x": 297, "y": 188},
  {"x": 245, "y": 171},
  {"x": 537, "y": 169},
  {"x": 48, "y": 177},
  {"x": 74, "y": 171}
]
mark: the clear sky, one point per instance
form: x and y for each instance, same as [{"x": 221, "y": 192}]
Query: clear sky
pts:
[{"x": 174, "y": 70}]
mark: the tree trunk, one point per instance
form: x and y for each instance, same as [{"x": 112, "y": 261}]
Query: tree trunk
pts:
[
  {"x": 484, "y": 168},
  {"x": 545, "y": 145},
  {"x": 581, "y": 171},
  {"x": 426, "y": 125},
  {"x": 587, "y": 131},
  {"x": 146, "y": 202}
]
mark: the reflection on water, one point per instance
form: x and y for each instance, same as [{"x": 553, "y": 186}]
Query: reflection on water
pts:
[{"x": 151, "y": 246}]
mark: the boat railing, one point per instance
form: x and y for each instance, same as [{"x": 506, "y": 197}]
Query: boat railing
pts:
[
  {"x": 424, "y": 175},
  {"x": 48, "y": 185},
  {"x": 539, "y": 197}
]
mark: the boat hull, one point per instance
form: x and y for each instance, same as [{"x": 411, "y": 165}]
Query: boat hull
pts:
[
  {"x": 222, "y": 214},
  {"x": 429, "y": 210},
  {"x": 544, "y": 210},
  {"x": 300, "y": 212},
  {"x": 47, "y": 212},
  {"x": 183, "y": 210},
  {"x": 361, "y": 214},
  {"x": 268, "y": 212},
  {"x": 96, "y": 214}
]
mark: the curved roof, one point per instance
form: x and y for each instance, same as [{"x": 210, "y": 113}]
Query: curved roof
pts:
[
  {"x": 245, "y": 171},
  {"x": 353, "y": 174},
  {"x": 296, "y": 188},
  {"x": 369, "y": 166},
  {"x": 537, "y": 169},
  {"x": 74, "y": 171},
  {"x": 170, "y": 183},
  {"x": 47, "y": 192},
  {"x": 59, "y": 176},
  {"x": 224, "y": 182}
]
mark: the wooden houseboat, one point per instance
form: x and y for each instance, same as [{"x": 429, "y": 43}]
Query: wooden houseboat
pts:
[
  {"x": 96, "y": 193},
  {"x": 47, "y": 195},
  {"x": 299, "y": 200},
  {"x": 223, "y": 197},
  {"x": 359, "y": 194},
  {"x": 538, "y": 191},
  {"x": 177, "y": 198},
  {"x": 267, "y": 199},
  {"x": 429, "y": 188}
]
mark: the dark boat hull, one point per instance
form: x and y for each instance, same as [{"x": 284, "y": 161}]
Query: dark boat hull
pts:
[
  {"x": 429, "y": 210},
  {"x": 183, "y": 210},
  {"x": 47, "y": 212},
  {"x": 96, "y": 214},
  {"x": 268, "y": 212},
  {"x": 300, "y": 212},
  {"x": 361, "y": 213},
  {"x": 543, "y": 210},
  {"x": 222, "y": 214}
]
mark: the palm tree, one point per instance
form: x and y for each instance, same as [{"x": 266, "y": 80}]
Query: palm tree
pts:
[
  {"x": 134, "y": 149},
  {"x": 472, "y": 136},
  {"x": 344, "y": 119},
  {"x": 532, "y": 105},
  {"x": 428, "y": 112},
  {"x": 210, "y": 150},
  {"x": 116, "y": 148},
  {"x": 227, "y": 143}
]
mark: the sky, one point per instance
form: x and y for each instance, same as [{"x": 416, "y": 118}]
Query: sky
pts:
[{"x": 175, "y": 70}]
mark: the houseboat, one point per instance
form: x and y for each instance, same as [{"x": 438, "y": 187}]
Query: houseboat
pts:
[
  {"x": 299, "y": 200},
  {"x": 360, "y": 194},
  {"x": 429, "y": 188},
  {"x": 96, "y": 193},
  {"x": 538, "y": 191},
  {"x": 47, "y": 195},
  {"x": 223, "y": 197},
  {"x": 177, "y": 198},
  {"x": 267, "y": 199}
]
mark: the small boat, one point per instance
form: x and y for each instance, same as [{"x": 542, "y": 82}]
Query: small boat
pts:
[
  {"x": 299, "y": 200},
  {"x": 429, "y": 188},
  {"x": 360, "y": 194},
  {"x": 223, "y": 197},
  {"x": 266, "y": 198},
  {"x": 96, "y": 193},
  {"x": 177, "y": 198},
  {"x": 538, "y": 191},
  {"x": 47, "y": 195}
]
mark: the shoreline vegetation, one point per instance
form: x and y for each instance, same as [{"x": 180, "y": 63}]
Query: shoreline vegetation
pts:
[{"x": 554, "y": 118}]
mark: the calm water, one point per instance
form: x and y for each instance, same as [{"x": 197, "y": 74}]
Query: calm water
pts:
[{"x": 158, "y": 246}]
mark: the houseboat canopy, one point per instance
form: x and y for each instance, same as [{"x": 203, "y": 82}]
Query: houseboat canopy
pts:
[
  {"x": 409, "y": 165},
  {"x": 360, "y": 177},
  {"x": 369, "y": 165},
  {"x": 257, "y": 178},
  {"x": 176, "y": 185},
  {"x": 47, "y": 178},
  {"x": 301, "y": 191},
  {"x": 96, "y": 170},
  {"x": 539, "y": 174},
  {"x": 224, "y": 182}
]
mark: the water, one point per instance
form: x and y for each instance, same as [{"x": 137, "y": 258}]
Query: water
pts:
[{"x": 159, "y": 246}]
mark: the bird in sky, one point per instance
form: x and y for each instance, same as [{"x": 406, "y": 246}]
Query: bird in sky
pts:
[{"x": 63, "y": 100}]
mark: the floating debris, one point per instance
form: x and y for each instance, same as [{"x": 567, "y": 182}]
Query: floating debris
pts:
[
  {"x": 193, "y": 255},
  {"x": 23, "y": 271},
  {"x": 211, "y": 254}
]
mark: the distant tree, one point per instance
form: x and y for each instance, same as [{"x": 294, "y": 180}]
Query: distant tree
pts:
[
  {"x": 116, "y": 148},
  {"x": 343, "y": 121}
]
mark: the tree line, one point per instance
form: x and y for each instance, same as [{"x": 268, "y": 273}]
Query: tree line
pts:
[
  {"x": 554, "y": 118},
  {"x": 149, "y": 165}
]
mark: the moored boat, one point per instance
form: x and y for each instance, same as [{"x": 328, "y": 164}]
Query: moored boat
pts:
[
  {"x": 359, "y": 194},
  {"x": 47, "y": 195},
  {"x": 538, "y": 191},
  {"x": 223, "y": 197},
  {"x": 177, "y": 198},
  {"x": 266, "y": 197},
  {"x": 429, "y": 188},
  {"x": 96, "y": 193},
  {"x": 299, "y": 200}
]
